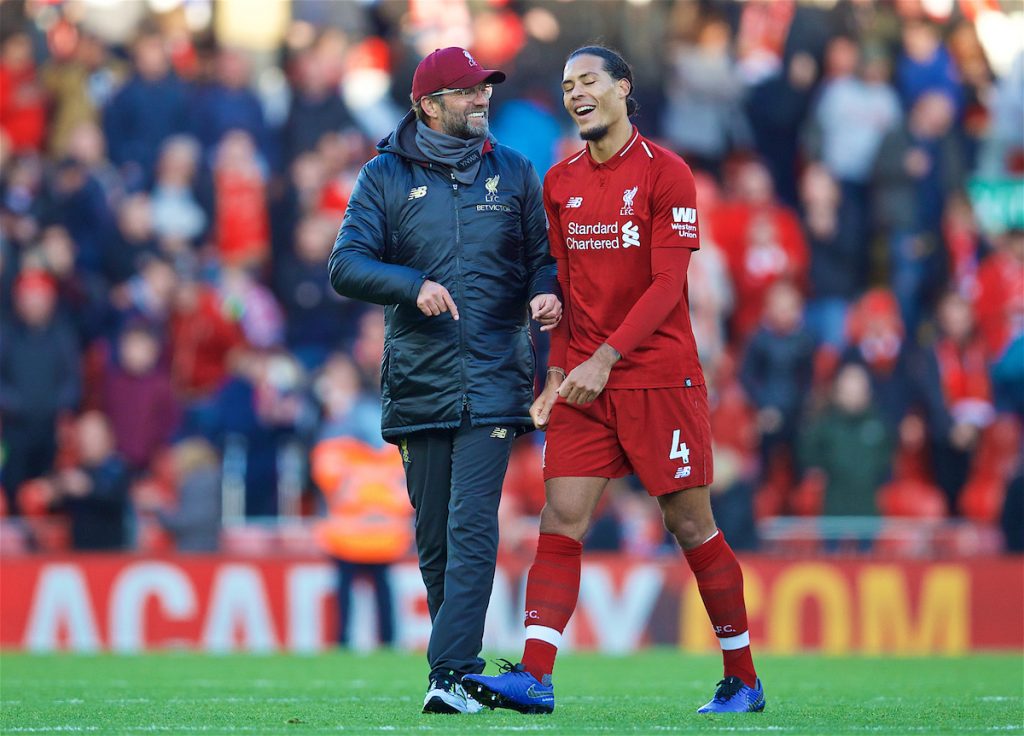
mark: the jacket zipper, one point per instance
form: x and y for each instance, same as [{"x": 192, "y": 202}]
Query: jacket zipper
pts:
[{"x": 458, "y": 299}]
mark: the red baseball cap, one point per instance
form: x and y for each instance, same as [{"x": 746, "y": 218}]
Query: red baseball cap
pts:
[{"x": 450, "y": 68}]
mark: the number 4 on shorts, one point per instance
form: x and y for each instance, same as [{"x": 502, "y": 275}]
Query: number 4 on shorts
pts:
[{"x": 679, "y": 449}]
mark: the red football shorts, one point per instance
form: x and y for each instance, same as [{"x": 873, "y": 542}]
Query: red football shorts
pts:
[{"x": 663, "y": 435}]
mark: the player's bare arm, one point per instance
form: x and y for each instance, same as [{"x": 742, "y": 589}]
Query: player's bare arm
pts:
[{"x": 540, "y": 410}]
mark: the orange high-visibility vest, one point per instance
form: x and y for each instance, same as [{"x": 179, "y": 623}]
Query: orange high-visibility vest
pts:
[{"x": 369, "y": 515}]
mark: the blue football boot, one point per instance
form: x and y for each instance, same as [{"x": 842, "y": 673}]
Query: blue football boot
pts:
[
  {"x": 514, "y": 688},
  {"x": 732, "y": 696}
]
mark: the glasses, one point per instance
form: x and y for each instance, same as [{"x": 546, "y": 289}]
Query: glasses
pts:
[{"x": 467, "y": 93}]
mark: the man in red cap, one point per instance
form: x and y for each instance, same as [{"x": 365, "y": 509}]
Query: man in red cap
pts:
[{"x": 446, "y": 228}]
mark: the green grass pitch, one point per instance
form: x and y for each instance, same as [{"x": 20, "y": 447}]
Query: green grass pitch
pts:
[{"x": 651, "y": 693}]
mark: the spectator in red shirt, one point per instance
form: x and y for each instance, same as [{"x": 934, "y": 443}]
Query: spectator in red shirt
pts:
[
  {"x": 242, "y": 220},
  {"x": 202, "y": 336},
  {"x": 22, "y": 103},
  {"x": 999, "y": 302},
  {"x": 763, "y": 243},
  {"x": 958, "y": 360}
]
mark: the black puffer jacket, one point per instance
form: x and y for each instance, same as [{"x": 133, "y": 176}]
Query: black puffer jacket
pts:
[{"x": 409, "y": 220}]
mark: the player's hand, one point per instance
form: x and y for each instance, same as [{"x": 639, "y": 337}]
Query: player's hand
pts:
[
  {"x": 546, "y": 309},
  {"x": 586, "y": 381},
  {"x": 434, "y": 299},
  {"x": 540, "y": 410}
]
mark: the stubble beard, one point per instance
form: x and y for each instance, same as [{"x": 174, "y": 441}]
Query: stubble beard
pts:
[
  {"x": 595, "y": 134},
  {"x": 459, "y": 127}
]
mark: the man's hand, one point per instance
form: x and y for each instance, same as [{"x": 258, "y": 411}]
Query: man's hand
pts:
[
  {"x": 540, "y": 410},
  {"x": 769, "y": 420},
  {"x": 963, "y": 436},
  {"x": 74, "y": 482},
  {"x": 435, "y": 299},
  {"x": 546, "y": 309},
  {"x": 586, "y": 381}
]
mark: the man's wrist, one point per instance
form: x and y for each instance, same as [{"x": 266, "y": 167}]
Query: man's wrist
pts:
[
  {"x": 556, "y": 374},
  {"x": 607, "y": 355}
]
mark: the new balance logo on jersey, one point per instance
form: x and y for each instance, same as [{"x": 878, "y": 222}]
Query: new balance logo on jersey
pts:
[
  {"x": 499, "y": 433},
  {"x": 627, "y": 201},
  {"x": 630, "y": 235},
  {"x": 683, "y": 472},
  {"x": 684, "y": 221},
  {"x": 417, "y": 192},
  {"x": 573, "y": 202}
]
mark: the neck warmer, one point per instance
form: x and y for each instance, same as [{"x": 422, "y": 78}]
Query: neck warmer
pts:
[{"x": 461, "y": 156}]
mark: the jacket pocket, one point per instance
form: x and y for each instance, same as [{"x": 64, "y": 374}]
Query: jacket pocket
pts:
[{"x": 398, "y": 371}]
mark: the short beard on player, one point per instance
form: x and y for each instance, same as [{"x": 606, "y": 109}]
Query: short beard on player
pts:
[
  {"x": 595, "y": 134},
  {"x": 459, "y": 127}
]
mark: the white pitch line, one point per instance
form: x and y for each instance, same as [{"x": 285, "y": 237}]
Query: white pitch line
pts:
[{"x": 51, "y": 729}]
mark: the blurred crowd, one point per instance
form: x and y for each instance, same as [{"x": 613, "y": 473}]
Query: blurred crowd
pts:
[{"x": 172, "y": 357}]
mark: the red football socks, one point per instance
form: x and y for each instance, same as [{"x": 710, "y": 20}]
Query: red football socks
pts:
[
  {"x": 720, "y": 581},
  {"x": 552, "y": 589}
]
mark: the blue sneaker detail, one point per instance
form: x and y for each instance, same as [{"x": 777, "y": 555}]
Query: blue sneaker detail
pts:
[
  {"x": 732, "y": 696},
  {"x": 515, "y": 689}
]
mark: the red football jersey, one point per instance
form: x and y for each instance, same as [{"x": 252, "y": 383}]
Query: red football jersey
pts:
[{"x": 604, "y": 220}]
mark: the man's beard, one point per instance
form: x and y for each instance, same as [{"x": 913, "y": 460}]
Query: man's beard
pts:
[
  {"x": 460, "y": 127},
  {"x": 595, "y": 134}
]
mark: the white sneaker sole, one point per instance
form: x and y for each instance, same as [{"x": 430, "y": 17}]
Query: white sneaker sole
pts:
[{"x": 450, "y": 702}]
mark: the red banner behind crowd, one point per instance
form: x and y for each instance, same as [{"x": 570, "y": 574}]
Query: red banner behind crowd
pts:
[{"x": 124, "y": 603}]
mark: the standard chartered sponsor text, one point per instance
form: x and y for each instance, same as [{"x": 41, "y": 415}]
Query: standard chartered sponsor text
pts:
[{"x": 592, "y": 243}]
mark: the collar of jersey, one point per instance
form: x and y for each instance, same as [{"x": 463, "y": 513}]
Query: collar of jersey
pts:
[{"x": 619, "y": 156}]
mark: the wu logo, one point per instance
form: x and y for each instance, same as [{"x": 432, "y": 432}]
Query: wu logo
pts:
[
  {"x": 417, "y": 192},
  {"x": 627, "y": 201},
  {"x": 684, "y": 214},
  {"x": 630, "y": 235},
  {"x": 492, "y": 188}
]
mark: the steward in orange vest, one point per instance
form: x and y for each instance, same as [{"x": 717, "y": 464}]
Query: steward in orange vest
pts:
[
  {"x": 368, "y": 506},
  {"x": 368, "y": 525}
]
